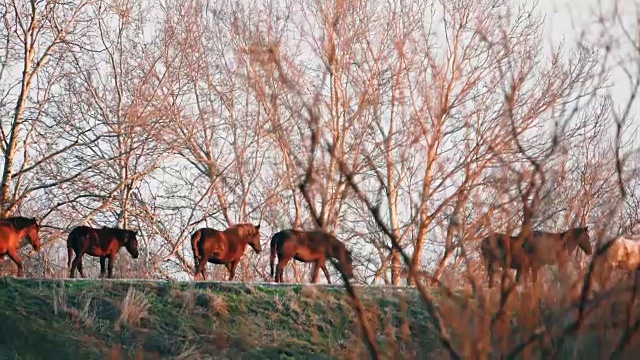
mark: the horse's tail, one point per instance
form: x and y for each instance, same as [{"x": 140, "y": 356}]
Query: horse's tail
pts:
[
  {"x": 274, "y": 242},
  {"x": 195, "y": 239}
]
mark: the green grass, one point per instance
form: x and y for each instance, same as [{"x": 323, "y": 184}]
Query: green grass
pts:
[{"x": 53, "y": 319}]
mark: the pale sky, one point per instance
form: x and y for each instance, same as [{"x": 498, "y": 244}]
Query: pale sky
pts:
[{"x": 567, "y": 18}]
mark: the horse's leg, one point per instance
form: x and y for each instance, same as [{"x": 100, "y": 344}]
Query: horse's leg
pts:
[
  {"x": 73, "y": 267},
  {"x": 326, "y": 272},
  {"x": 103, "y": 266},
  {"x": 520, "y": 271},
  {"x": 315, "y": 275},
  {"x": 74, "y": 264},
  {"x": 490, "y": 273},
  {"x": 282, "y": 262},
  {"x": 80, "y": 268},
  {"x": 232, "y": 269},
  {"x": 16, "y": 259},
  {"x": 110, "y": 266},
  {"x": 200, "y": 270}
]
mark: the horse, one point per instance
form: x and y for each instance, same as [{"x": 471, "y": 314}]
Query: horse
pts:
[
  {"x": 223, "y": 247},
  {"x": 550, "y": 248},
  {"x": 506, "y": 251},
  {"x": 622, "y": 253},
  {"x": 12, "y": 230},
  {"x": 309, "y": 246},
  {"x": 103, "y": 243}
]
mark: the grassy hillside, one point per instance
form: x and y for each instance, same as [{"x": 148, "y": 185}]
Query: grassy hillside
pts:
[
  {"x": 92, "y": 319},
  {"x": 119, "y": 319}
]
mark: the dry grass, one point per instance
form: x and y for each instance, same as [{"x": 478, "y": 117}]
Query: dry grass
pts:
[
  {"x": 186, "y": 298},
  {"x": 133, "y": 309},
  {"x": 83, "y": 315},
  {"x": 219, "y": 305},
  {"x": 189, "y": 352}
]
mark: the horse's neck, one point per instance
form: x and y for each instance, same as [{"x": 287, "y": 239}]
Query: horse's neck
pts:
[
  {"x": 20, "y": 232},
  {"x": 114, "y": 235},
  {"x": 334, "y": 250}
]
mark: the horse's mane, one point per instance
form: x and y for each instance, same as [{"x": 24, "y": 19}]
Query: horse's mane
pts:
[
  {"x": 336, "y": 244},
  {"x": 243, "y": 229},
  {"x": 21, "y": 222},
  {"x": 118, "y": 230},
  {"x": 579, "y": 230}
]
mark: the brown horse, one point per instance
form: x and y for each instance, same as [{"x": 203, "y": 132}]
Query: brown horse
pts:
[
  {"x": 309, "y": 246},
  {"x": 12, "y": 230},
  {"x": 551, "y": 248},
  {"x": 223, "y": 247},
  {"x": 103, "y": 243},
  {"x": 506, "y": 251}
]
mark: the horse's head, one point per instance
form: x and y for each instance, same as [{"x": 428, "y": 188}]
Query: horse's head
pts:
[
  {"x": 131, "y": 242},
  {"x": 254, "y": 241},
  {"x": 345, "y": 262},
  {"x": 252, "y": 234},
  {"x": 30, "y": 228},
  {"x": 580, "y": 236},
  {"x": 33, "y": 234}
]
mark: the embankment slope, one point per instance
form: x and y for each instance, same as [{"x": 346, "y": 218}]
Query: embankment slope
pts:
[{"x": 98, "y": 319}]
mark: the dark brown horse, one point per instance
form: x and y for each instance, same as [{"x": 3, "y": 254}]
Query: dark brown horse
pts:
[
  {"x": 12, "y": 230},
  {"x": 223, "y": 247},
  {"x": 103, "y": 243},
  {"x": 551, "y": 248},
  {"x": 309, "y": 246},
  {"x": 506, "y": 251}
]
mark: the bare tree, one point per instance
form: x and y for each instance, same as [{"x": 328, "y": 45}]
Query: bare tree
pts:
[{"x": 33, "y": 34}]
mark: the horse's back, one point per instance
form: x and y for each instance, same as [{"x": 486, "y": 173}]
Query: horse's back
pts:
[
  {"x": 80, "y": 234},
  {"x": 302, "y": 245},
  {"x": 624, "y": 252},
  {"x": 209, "y": 235},
  {"x": 288, "y": 236}
]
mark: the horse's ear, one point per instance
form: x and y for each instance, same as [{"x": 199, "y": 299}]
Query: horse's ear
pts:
[
  {"x": 135, "y": 232},
  {"x": 258, "y": 227}
]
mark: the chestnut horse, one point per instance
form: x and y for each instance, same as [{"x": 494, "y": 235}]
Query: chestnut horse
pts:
[
  {"x": 103, "y": 243},
  {"x": 507, "y": 252},
  {"x": 12, "y": 230},
  {"x": 309, "y": 246},
  {"x": 223, "y": 247}
]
